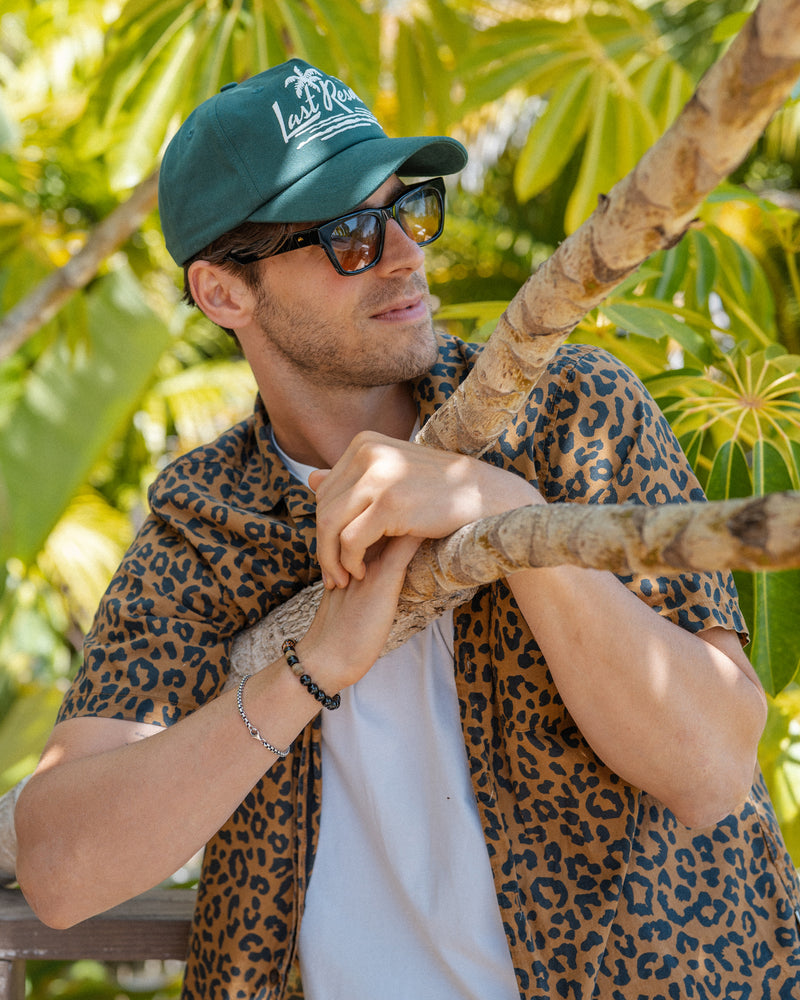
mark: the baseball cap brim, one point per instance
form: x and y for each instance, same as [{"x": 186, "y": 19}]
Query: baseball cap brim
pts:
[
  {"x": 290, "y": 144},
  {"x": 341, "y": 183}
]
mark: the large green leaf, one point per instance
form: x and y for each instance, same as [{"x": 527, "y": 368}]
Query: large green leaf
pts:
[
  {"x": 531, "y": 53},
  {"x": 305, "y": 38},
  {"x": 706, "y": 261},
  {"x": 730, "y": 478},
  {"x": 132, "y": 155},
  {"x": 600, "y": 139},
  {"x": 73, "y": 405},
  {"x": 664, "y": 87},
  {"x": 779, "y": 756},
  {"x": 24, "y": 731},
  {"x": 604, "y": 80},
  {"x": 652, "y": 320},
  {"x": 353, "y": 36},
  {"x": 410, "y": 108},
  {"x": 674, "y": 264},
  {"x": 555, "y": 135},
  {"x": 257, "y": 41},
  {"x": 423, "y": 81},
  {"x": 166, "y": 56},
  {"x": 741, "y": 280},
  {"x": 775, "y": 649},
  {"x": 620, "y": 130}
]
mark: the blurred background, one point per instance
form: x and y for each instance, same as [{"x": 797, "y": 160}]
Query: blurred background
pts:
[{"x": 105, "y": 376}]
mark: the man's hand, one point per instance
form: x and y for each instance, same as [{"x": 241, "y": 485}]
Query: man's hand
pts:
[
  {"x": 352, "y": 623},
  {"x": 382, "y": 488}
]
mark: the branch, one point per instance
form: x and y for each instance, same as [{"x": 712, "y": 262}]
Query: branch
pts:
[
  {"x": 648, "y": 210},
  {"x": 753, "y": 533},
  {"x": 49, "y": 296}
]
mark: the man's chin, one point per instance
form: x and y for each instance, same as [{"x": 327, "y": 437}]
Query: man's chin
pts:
[{"x": 422, "y": 351}]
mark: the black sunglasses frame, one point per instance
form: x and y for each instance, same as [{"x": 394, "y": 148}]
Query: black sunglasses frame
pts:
[{"x": 321, "y": 235}]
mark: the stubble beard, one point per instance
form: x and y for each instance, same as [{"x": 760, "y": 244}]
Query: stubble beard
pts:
[{"x": 322, "y": 351}]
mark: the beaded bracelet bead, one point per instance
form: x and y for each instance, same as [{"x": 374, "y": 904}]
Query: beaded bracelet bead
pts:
[{"x": 288, "y": 650}]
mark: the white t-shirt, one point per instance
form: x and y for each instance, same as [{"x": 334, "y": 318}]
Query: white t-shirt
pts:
[{"x": 401, "y": 902}]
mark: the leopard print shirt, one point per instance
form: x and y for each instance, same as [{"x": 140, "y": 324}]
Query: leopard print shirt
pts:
[{"x": 603, "y": 894}]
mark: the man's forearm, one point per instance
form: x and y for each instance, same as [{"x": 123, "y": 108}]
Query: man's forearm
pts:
[
  {"x": 114, "y": 808},
  {"x": 671, "y": 713}
]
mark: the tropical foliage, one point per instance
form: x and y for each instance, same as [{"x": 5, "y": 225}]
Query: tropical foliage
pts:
[{"x": 555, "y": 100}]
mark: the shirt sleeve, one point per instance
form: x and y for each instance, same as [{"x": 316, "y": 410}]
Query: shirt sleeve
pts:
[
  {"x": 160, "y": 643},
  {"x": 593, "y": 434},
  {"x": 219, "y": 550}
]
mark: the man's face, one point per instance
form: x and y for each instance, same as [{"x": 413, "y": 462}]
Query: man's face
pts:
[{"x": 354, "y": 331}]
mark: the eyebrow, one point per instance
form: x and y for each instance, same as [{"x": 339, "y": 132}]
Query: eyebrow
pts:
[{"x": 398, "y": 189}]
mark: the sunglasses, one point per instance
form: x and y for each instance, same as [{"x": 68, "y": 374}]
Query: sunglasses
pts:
[{"x": 354, "y": 242}]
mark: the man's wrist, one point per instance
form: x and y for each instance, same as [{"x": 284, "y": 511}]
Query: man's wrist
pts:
[{"x": 289, "y": 650}]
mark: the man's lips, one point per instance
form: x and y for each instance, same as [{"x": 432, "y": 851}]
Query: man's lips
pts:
[{"x": 408, "y": 309}]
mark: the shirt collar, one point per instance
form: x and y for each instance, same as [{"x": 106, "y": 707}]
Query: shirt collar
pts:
[{"x": 429, "y": 392}]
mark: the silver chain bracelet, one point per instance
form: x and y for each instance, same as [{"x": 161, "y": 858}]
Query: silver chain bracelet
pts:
[{"x": 251, "y": 728}]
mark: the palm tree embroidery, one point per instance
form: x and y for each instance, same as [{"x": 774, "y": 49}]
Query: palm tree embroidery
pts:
[{"x": 304, "y": 82}]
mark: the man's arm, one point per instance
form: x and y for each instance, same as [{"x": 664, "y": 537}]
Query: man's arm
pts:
[
  {"x": 674, "y": 713},
  {"x": 115, "y": 807}
]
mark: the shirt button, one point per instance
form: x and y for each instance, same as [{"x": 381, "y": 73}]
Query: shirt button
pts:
[{"x": 274, "y": 977}]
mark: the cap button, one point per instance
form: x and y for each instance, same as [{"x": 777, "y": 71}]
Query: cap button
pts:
[{"x": 228, "y": 86}]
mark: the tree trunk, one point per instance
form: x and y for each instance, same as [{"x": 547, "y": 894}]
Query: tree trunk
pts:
[{"x": 647, "y": 210}]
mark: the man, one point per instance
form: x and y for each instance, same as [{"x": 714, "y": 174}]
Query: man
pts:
[{"x": 504, "y": 807}]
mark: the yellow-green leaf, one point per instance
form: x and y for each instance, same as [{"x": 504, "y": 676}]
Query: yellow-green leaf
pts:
[
  {"x": 600, "y": 139},
  {"x": 729, "y": 476},
  {"x": 555, "y": 135},
  {"x": 775, "y": 647}
]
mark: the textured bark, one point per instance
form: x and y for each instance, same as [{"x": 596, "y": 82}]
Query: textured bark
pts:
[
  {"x": 648, "y": 210},
  {"x": 753, "y": 533},
  {"x": 259, "y": 645},
  {"x": 49, "y": 296}
]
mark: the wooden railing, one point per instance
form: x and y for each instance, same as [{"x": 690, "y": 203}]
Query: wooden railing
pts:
[{"x": 154, "y": 925}]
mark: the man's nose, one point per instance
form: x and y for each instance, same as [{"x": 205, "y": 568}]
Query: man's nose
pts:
[{"x": 400, "y": 252}]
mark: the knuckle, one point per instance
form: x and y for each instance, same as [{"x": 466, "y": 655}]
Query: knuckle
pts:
[
  {"x": 326, "y": 522},
  {"x": 366, "y": 443}
]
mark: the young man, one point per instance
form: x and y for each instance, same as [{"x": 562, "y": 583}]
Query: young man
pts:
[{"x": 504, "y": 806}]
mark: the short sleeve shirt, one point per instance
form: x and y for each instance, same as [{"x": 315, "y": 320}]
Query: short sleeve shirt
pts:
[{"x": 602, "y": 892}]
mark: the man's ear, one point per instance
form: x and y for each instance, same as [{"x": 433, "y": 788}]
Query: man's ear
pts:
[{"x": 223, "y": 297}]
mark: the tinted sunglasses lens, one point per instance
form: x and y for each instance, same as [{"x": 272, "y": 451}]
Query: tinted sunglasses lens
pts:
[
  {"x": 420, "y": 214},
  {"x": 356, "y": 240}
]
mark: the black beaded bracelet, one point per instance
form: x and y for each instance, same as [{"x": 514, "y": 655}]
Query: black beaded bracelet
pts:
[{"x": 288, "y": 650}]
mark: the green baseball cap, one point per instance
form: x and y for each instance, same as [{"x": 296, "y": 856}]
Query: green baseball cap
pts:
[{"x": 291, "y": 144}]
